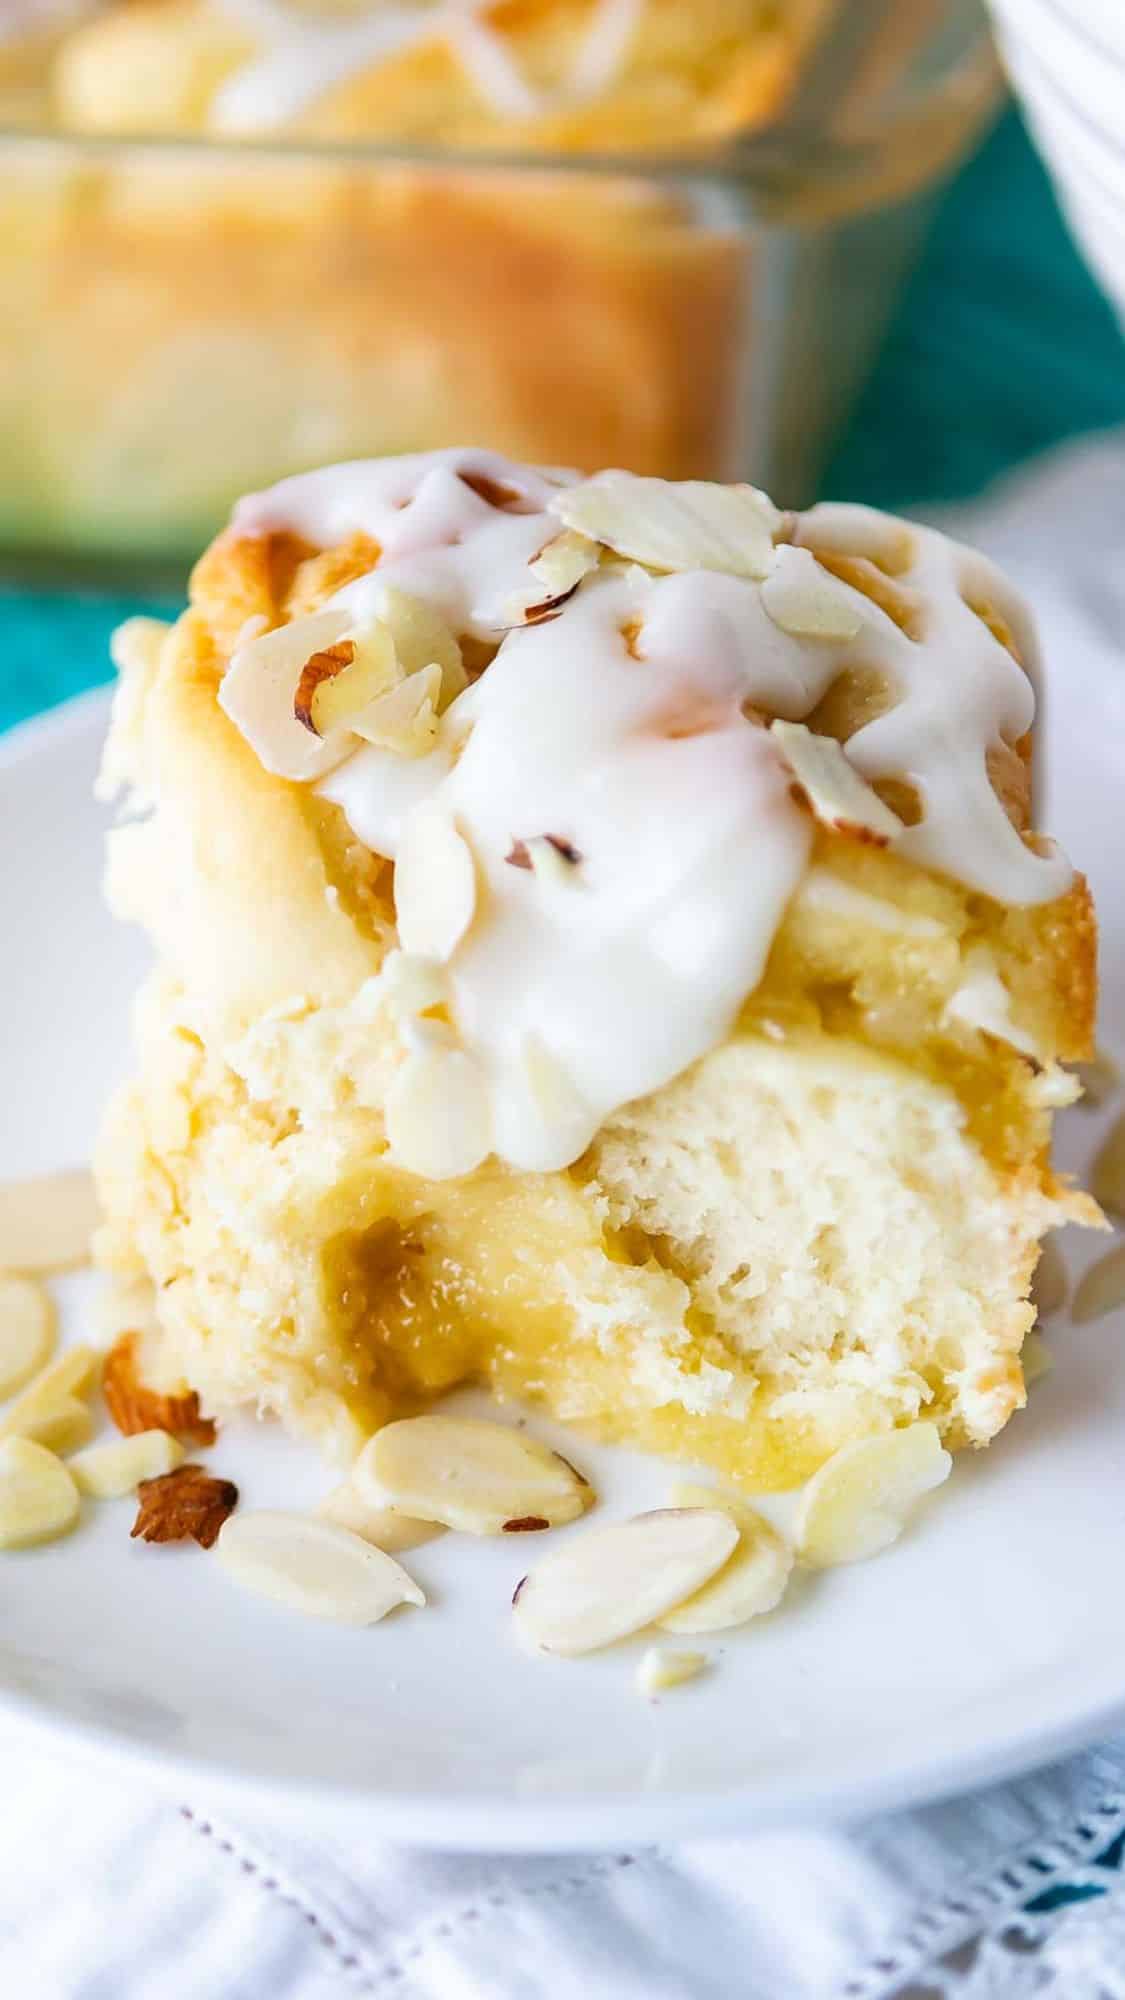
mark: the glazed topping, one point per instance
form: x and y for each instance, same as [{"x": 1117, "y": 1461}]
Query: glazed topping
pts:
[
  {"x": 596, "y": 841},
  {"x": 300, "y": 58}
]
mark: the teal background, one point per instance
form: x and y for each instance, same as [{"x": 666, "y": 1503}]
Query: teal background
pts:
[{"x": 1001, "y": 347}]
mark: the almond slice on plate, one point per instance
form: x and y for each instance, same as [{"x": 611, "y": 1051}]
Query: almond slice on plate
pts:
[
  {"x": 109, "y": 1471},
  {"x": 612, "y": 1581},
  {"x": 47, "y": 1221},
  {"x": 314, "y": 1567},
  {"x": 805, "y": 601},
  {"x": 752, "y": 1581},
  {"x": 385, "y": 1527},
  {"x": 481, "y": 1478},
  {"x": 438, "y": 1118},
  {"x": 674, "y": 525},
  {"x": 435, "y": 884},
  {"x": 49, "y": 1405},
  {"x": 859, "y": 1501},
  {"x": 1101, "y": 1288},
  {"x": 837, "y": 795},
  {"x": 27, "y": 1331},
  {"x": 38, "y": 1497},
  {"x": 662, "y": 1667}
]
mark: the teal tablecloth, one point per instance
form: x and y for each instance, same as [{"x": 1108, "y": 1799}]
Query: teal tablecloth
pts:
[{"x": 1001, "y": 347}]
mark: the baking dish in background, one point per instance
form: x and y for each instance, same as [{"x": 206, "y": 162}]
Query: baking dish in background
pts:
[{"x": 184, "y": 318}]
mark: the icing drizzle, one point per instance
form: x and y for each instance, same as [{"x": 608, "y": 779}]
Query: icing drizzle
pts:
[{"x": 617, "y": 730}]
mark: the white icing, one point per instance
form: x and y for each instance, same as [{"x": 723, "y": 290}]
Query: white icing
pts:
[
  {"x": 299, "y": 59},
  {"x": 630, "y": 963}
]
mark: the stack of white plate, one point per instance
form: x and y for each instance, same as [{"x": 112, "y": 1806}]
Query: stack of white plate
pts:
[{"x": 1066, "y": 59}]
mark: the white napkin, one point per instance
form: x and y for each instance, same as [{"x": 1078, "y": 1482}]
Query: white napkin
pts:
[{"x": 110, "y": 1891}]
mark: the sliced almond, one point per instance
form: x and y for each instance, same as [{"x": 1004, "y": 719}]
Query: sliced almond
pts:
[
  {"x": 612, "y": 1581},
  {"x": 1100, "y": 1079},
  {"x": 674, "y": 525},
  {"x": 437, "y": 1113},
  {"x": 384, "y": 1527},
  {"x": 108, "y": 1471},
  {"x": 836, "y": 793},
  {"x": 435, "y": 884},
  {"x": 553, "y": 577},
  {"x": 49, "y": 1395},
  {"x": 405, "y": 719},
  {"x": 314, "y": 1567},
  {"x": 423, "y": 639},
  {"x": 751, "y": 1582},
  {"x": 1050, "y": 1284},
  {"x": 258, "y": 691},
  {"x": 805, "y": 601},
  {"x": 1101, "y": 1288},
  {"x": 1107, "y": 1177},
  {"x": 662, "y": 1667},
  {"x": 339, "y": 682},
  {"x": 38, "y": 1497},
  {"x": 47, "y": 1221},
  {"x": 858, "y": 1503},
  {"x": 481, "y": 1478},
  {"x": 61, "y": 1426},
  {"x": 27, "y": 1331}
]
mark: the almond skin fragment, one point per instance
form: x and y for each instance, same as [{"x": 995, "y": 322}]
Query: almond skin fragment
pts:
[
  {"x": 613, "y": 1581},
  {"x": 314, "y": 1567},
  {"x": 134, "y": 1407},
  {"x": 479, "y": 1478},
  {"x": 27, "y": 1331},
  {"x": 187, "y": 1504}
]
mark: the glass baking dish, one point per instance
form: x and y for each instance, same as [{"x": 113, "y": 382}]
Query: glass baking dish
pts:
[{"x": 186, "y": 319}]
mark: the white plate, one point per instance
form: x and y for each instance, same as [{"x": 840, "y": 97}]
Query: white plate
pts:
[{"x": 991, "y": 1637}]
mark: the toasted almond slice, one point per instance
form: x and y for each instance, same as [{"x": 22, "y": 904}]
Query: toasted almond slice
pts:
[
  {"x": 64, "y": 1380},
  {"x": 47, "y": 1221},
  {"x": 27, "y": 1331},
  {"x": 258, "y": 691},
  {"x": 1049, "y": 1286},
  {"x": 481, "y": 1478},
  {"x": 108, "y": 1471},
  {"x": 662, "y": 1667},
  {"x": 437, "y": 1113},
  {"x": 1107, "y": 1177},
  {"x": 857, "y": 1504},
  {"x": 613, "y": 1581},
  {"x": 1101, "y": 1288},
  {"x": 751, "y": 1582},
  {"x": 435, "y": 884},
  {"x": 314, "y": 1567},
  {"x": 1100, "y": 1079},
  {"x": 423, "y": 639},
  {"x": 1036, "y": 1358},
  {"x": 342, "y": 680},
  {"x": 384, "y": 1527},
  {"x": 804, "y": 600},
  {"x": 836, "y": 793},
  {"x": 405, "y": 719},
  {"x": 38, "y": 1497},
  {"x": 674, "y": 525}
]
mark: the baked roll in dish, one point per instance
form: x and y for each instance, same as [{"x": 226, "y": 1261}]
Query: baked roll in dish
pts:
[{"x": 603, "y": 952}]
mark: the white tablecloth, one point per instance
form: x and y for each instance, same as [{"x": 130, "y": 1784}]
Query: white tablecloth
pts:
[{"x": 109, "y": 1891}]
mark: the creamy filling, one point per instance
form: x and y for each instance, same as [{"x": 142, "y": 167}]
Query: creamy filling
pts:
[
  {"x": 300, "y": 59},
  {"x": 631, "y": 827}
]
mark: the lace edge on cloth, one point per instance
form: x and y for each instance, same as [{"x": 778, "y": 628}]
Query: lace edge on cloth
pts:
[{"x": 1027, "y": 1873}]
